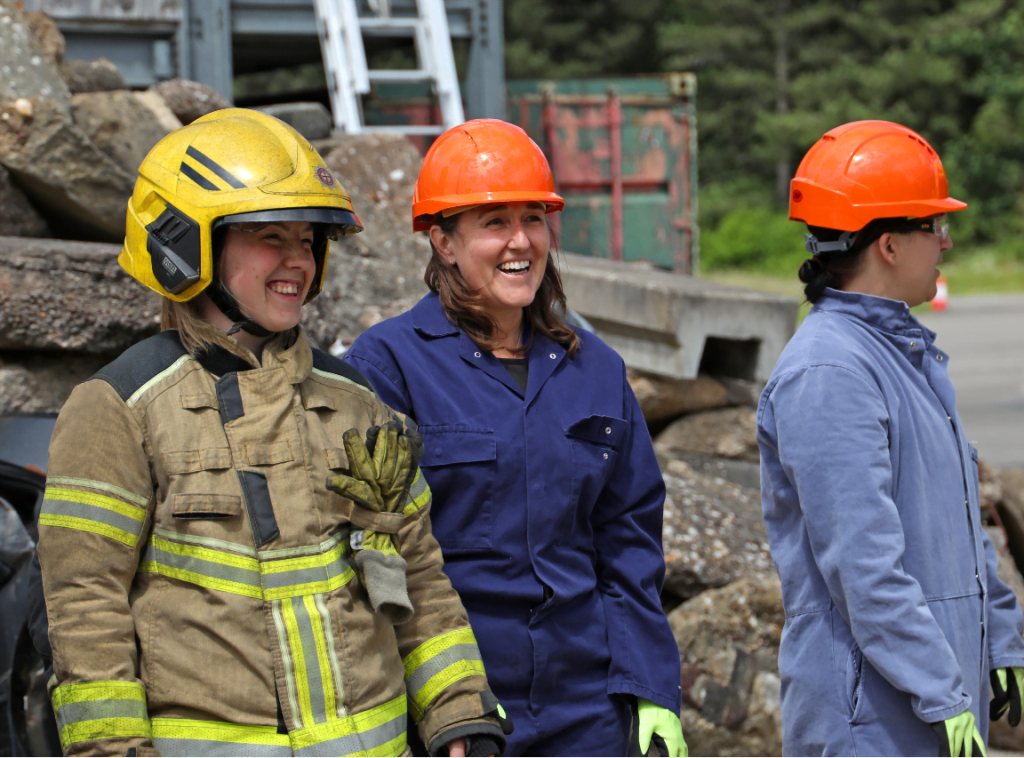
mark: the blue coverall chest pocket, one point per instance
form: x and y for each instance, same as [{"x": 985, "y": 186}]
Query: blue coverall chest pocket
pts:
[
  {"x": 461, "y": 461},
  {"x": 594, "y": 443}
]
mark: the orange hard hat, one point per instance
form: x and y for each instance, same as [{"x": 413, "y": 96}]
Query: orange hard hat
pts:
[
  {"x": 867, "y": 170},
  {"x": 480, "y": 162}
]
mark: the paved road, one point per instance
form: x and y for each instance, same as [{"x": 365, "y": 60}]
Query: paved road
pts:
[{"x": 984, "y": 336}]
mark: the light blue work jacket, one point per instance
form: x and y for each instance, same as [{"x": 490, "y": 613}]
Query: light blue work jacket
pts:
[{"x": 894, "y": 614}]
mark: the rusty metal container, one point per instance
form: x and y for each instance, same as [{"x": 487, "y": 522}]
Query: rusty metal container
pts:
[{"x": 624, "y": 156}]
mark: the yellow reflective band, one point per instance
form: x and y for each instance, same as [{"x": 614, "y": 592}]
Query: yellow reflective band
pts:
[
  {"x": 91, "y": 512},
  {"x": 291, "y": 625},
  {"x": 419, "y": 495},
  {"x": 72, "y": 481},
  {"x": 187, "y": 737},
  {"x": 332, "y": 654},
  {"x": 378, "y": 731},
  {"x": 100, "y": 710},
  {"x": 307, "y": 575},
  {"x": 338, "y": 378},
  {"x": 286, "y": 659},
  {"x": 214, "y": 569},
  {"x": 437, "y": 664}
]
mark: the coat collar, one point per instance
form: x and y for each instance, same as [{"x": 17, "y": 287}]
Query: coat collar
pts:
[
  {"x": 289, "y": 350},
  {"x": 880, "y": 312},
  {"x": 429, "y": 319}
]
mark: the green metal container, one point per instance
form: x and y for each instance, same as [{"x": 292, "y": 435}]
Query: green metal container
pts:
[{"x": 624, "y": 156}]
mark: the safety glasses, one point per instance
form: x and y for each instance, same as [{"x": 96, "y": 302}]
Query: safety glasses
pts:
[{"x": 937, "y": 225}]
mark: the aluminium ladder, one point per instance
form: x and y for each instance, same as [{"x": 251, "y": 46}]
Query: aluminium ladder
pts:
[{"x": 349, "y": 77}]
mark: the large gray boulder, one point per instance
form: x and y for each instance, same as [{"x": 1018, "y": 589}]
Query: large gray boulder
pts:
[
  {"x": 99, "y": 75},
  {"x": 713, "y": 533},
  {"x": 119, "y": 124},
  {"x": 662, "y": 399},
  {"x": 724, "y": 433},
  {"x": 189, "y": 100},
  {"x": 82, "y": 192},
  {"x": 26, "y": 70},
  {"x": 311, "y": 120},
  {"x": 17, "y": 216},
  {"x": 61, "y": 295},
  {"x": 729, "y": 645},
  {"x": 42, "y": 382},
  {"x": 46, "y": 34}
]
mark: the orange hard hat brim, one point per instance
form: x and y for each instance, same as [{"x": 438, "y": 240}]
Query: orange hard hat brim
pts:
[
  {"x": 833, "y": 210},
  {"x": 552, "y": 201}
]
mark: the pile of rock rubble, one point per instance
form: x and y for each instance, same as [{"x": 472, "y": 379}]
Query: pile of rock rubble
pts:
[{"x": 71, "y": 138}]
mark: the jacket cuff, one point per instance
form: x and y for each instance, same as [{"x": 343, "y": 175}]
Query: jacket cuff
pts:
[
  {"x": 673, "y": 702},
  {"x": 479, "y": 732},
  {"x": 941, "y": 714},
  {"x": 1006, "y": 661}
]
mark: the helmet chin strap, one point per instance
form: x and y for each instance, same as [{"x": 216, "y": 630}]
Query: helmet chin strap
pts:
[{"x": 227, "y": 304}]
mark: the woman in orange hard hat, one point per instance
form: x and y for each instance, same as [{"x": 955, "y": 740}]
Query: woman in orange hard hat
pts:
[
  {"x": 895, "y": 620},
  {"x": 549, "y": 498}
]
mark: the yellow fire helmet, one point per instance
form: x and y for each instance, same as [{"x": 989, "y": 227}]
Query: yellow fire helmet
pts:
[{"x": 230, "y": 166}]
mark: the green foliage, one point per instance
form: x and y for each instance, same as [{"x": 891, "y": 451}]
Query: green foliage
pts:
[
  {"x": 578, "y": 38},
  {"x": 755, "y": 238}
]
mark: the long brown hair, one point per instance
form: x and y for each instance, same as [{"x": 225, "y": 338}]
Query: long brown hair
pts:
[{"x": 467, "y": 311}]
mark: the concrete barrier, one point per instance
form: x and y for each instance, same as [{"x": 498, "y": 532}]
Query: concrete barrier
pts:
[{"x": 675, "y": 325}]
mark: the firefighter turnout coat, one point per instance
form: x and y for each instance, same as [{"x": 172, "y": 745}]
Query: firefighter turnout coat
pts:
[{"x": 198, "y": 574}]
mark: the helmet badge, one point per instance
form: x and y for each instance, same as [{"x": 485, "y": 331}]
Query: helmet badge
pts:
[{"x": 326, "y": 177}]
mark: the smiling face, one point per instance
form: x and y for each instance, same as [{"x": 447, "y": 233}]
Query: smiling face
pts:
[
  {"x": 269, "y": 268},
  {"x": 501, "y": 252}
]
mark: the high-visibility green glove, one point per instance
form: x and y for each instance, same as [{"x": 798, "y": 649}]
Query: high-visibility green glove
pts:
[
  {"x": 660, "y": 721},
  {"x": 1006, "y": 692},
  {"x": 959, "y": 736},
  {"x": 382, "y": 470}
]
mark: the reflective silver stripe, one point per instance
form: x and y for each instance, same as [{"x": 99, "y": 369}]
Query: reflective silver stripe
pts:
[
  {"x": 311, "y": 661},
  {"x": 205, "y": 568},
  {"x": 187, "y": 748},
  {"x": 326, "y": 573},
  {"x": 90, "y": 710},
  {"x": 432, "y": 666},
  {"x": 371, "y": 739},
  {"x": 58, "y": 507}
]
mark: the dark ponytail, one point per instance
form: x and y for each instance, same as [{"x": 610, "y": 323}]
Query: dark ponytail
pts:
[
  {"x": 835, "y": 268},
  {"x": 832, "y": 269}
]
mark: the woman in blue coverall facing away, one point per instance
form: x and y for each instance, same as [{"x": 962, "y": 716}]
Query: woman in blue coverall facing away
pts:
[
  {"x": 548, "y": 494},
  {"x": 895, "y": 621}
]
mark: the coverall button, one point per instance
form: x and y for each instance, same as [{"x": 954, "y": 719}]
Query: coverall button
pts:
[
  {"x": 437, "y": 451},
  {"x": 607, "y": 430},
  {"x": 552, "y": 356},
  {"x": 913, "y": 346},
  {"x": 938, "y": 358},
  {"x": 606, "y": 456},
  {"x": 476, "y": 355}
]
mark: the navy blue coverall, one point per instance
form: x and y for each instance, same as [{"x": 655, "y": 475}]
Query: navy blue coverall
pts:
[{"x": 548, "y": 509}]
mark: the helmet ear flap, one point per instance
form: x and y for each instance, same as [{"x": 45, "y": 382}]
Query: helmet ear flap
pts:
[{"x": 174, "y": 242}]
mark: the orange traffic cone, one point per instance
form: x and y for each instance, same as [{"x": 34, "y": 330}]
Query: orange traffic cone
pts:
[{"x": 941, "y": 300}]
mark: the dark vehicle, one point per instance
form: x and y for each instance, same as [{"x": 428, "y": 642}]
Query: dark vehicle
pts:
[{"x": 27, "y": 725}]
